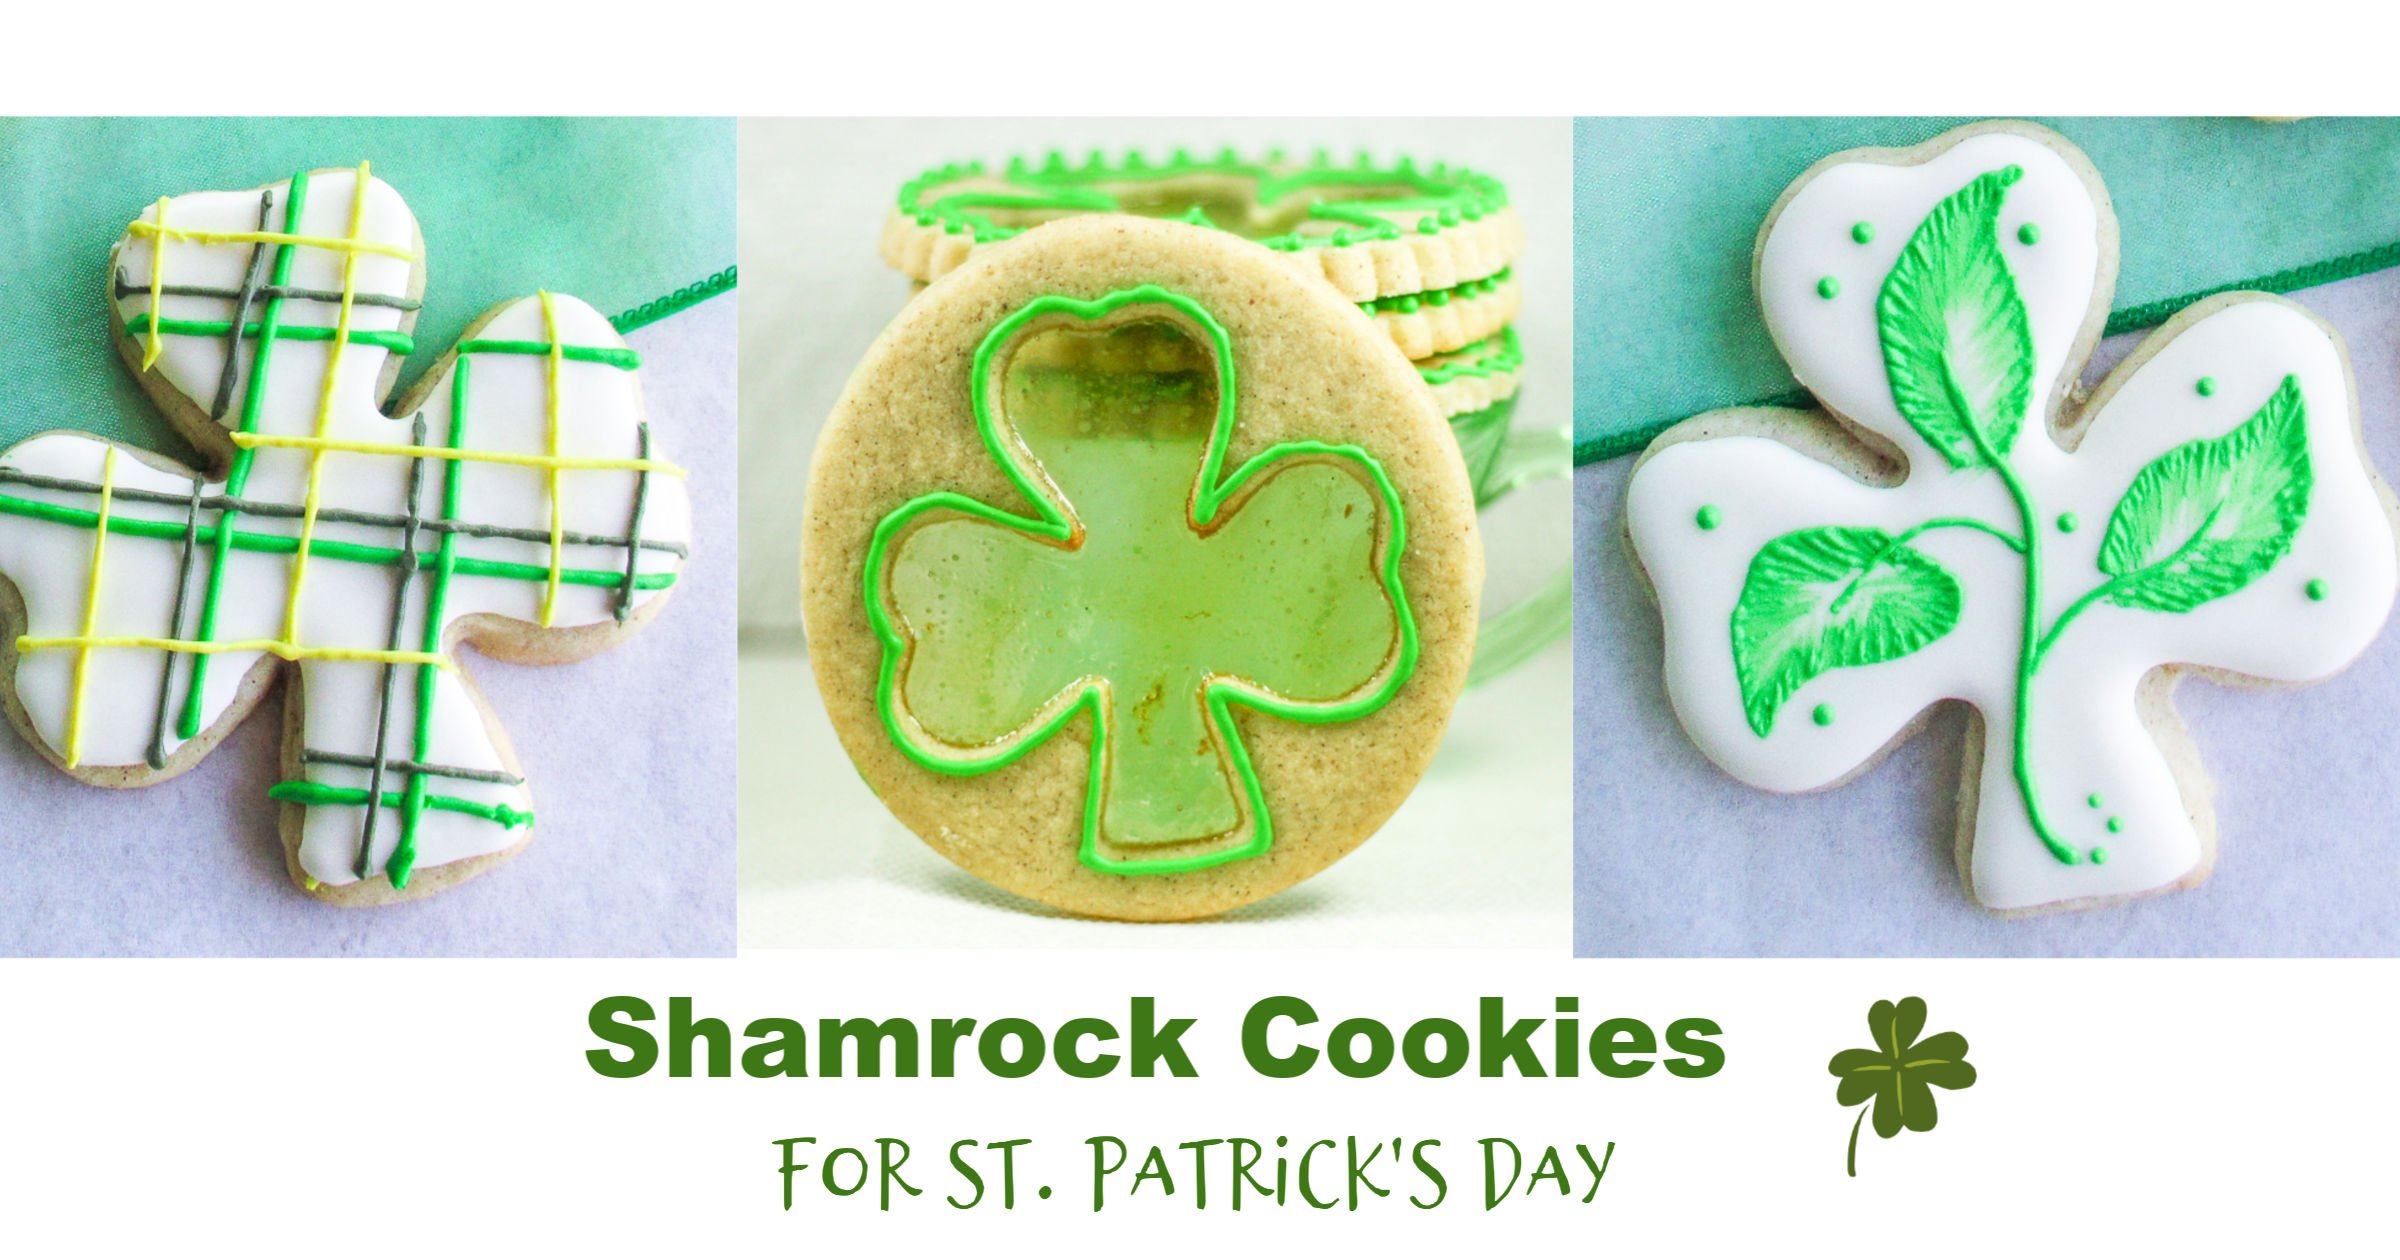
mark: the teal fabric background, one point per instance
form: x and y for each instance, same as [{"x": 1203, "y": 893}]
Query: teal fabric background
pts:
[
  {"x": 1667, "y": 211},
  {"x": 614, "y": 211}
]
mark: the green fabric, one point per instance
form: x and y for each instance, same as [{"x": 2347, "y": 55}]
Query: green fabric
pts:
[
  {"x": 617, "y": 212},
  {"x": 1667, "y": 211}
]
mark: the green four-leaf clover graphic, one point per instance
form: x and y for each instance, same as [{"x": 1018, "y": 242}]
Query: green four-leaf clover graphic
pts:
[
  {"x": 1148, "y": 587},
  {"x": 1900, "y": 1074}
]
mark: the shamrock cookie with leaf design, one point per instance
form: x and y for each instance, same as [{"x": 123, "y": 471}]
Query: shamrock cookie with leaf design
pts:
[
  {"x": 1139, "y": 579},
  {"x": 515, "y": 499},
  {"x": 1962, "y": 522}
]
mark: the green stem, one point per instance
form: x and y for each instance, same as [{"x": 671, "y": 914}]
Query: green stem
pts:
[
  {"x": 2029, "y": 643},
  {"x": 1855, "y": 1126},
  {"x": 2109, "y": 587}
]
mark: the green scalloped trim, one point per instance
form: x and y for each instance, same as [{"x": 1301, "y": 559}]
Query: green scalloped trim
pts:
[
  {"x": 1448, "y": 195},
  {"x": 1496, "y": 355},
  {"x": 680, "y": 300}
]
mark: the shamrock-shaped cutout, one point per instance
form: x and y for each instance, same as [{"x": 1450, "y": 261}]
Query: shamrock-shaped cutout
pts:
[
  {"x": 1150, "y": 588},
  {"x": 1900, "y": 1074},
  {"x": 1956, "y": 529},
  {"x": 523, "y": 495}
]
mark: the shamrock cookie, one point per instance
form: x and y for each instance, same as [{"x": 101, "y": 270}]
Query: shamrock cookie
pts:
[
  {"x": 1960, "y": 523},
  {"x": 518, "y": 503},
  {"x": 1427, "y": 251},
  {"x": 1139, "y": 579}
]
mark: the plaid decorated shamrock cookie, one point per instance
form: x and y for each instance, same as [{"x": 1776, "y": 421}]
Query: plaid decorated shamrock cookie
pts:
[
  {"x": 515, "y": 499},
  {"x": 1427, "y": 251},
  {"x": 1139, "y": 579},
  {"x": 1961, "y": 521}
]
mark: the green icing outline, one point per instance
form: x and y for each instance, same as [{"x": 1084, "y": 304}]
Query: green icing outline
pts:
[
  {"x": 1448, "y": 195},
  {"x": 1054, "y": 525}
]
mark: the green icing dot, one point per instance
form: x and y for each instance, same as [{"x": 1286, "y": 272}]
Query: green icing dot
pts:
[
  {"x": 2316, "y": 588},
  {"x": 2067, "y": 521},
  {"x": 1862, "y": 232},
  {"x": 2207, "y": 385},
  {"x": 1708, "y": 516},
  {"x": 1823, "y": 716},
  {"x": 2093, "y": 800},
  {"x": 2115, "y": 825},
  {"x": 2030, "y": 234},
  {"x": 1828, "y": 287},
  {"x": 2099, "y": 855}
]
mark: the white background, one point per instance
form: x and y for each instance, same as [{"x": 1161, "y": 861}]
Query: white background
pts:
[{"x": 390, "y": 1108}]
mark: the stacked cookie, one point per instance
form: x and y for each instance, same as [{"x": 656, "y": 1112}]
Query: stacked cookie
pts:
[{"x": 1428, "y": 253}]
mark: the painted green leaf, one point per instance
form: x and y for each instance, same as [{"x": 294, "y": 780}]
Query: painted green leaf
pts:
[
  {"x": 1825, "y": 598},
  {"x": 1956, "y": 344},
  {"x": 2212, "y": 516}
]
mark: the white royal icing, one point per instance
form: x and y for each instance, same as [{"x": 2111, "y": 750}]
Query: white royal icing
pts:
[
  {"x": 2087, "y": 739},
  {"x": 344, "y": 604}
]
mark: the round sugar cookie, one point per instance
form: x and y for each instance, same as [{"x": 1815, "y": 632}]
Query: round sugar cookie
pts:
[{"x": 1139, "y": 578}]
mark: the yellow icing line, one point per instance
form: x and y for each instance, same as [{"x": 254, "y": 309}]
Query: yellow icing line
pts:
[
  {"x": 519, "y": 458},
  {"x": 556, "y": 357},
  {"x": 333, "y": 374},
  {"x": 204, "y": 647},
  {"x": 91, "y": 610},
  {"x": 334, "y": 243},
  {"x": 158, "y": 289}
]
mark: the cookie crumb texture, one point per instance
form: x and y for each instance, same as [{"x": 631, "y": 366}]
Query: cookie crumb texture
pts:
[{"x": 1283, "y": 579}]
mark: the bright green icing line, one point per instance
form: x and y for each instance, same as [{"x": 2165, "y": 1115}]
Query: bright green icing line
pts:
[
  {"x": 303, "y": 792},
  {"x": 1496, "y": 355},
  {"x": 1125, "y": 595},
  {"x": 237, "y": 479},
  {"x": 2316, "y": 588},
  {"x": 1822, "y": 715},
  {"x": 2067, "y": 522},
  {"x": 1409, "y": 303},
  {"x": 1862, "y": 232},
  {"x": 396, "y": 342},
  {"x": 326, "y": 548},
  {"x": 1829, "y": 288},
  {"x": 1346, "y": 204},
  {"x": 2030, "y": 233},
  {"x": 613, "y": 356},
  {"x": 2207, "y": 385}
]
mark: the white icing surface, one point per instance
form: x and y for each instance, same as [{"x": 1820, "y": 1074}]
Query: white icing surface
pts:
[
  {"x": 2087, "y": 737},
  {"x": 344, "y": 604}
]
